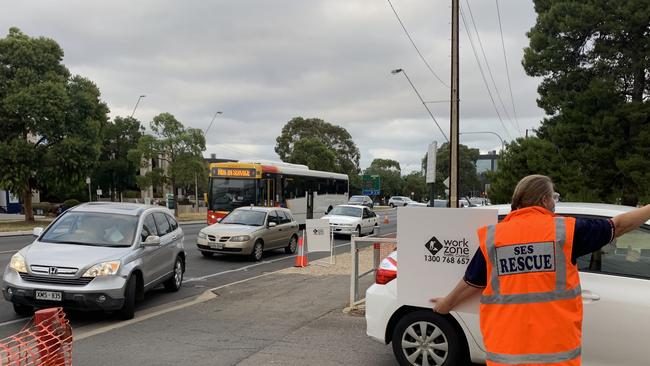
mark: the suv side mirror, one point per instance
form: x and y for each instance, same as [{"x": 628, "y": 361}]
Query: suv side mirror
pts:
[
  {"x": 273, "y": 224},
  {"x": 151, "y": 241},
  {"x": 37, "y": 231}
]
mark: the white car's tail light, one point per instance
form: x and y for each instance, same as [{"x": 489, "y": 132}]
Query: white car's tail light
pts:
[{"x": 387, "y": 270}]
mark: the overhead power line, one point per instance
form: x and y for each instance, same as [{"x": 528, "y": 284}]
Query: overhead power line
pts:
[
  {"x": 416, "y": 47},
  {"x": 505, "y": 60},
  {"x": 487, "y": 65},
  {"x": 478, "y": 62}
]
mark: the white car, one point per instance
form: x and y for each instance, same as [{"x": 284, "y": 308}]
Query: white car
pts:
[
  {"x": 615, "y": 290},
  {"x": 352, "y": 220}
]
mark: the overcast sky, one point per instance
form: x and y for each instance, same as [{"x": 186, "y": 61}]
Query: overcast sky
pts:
[{"x": 263, "y": 62}]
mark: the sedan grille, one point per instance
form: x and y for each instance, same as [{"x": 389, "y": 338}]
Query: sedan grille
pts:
[
  {"x": 57, "y": 280},
  {"x": 221, "y": 239}
]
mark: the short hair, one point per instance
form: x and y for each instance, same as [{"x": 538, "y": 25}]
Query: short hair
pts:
[{"x": 530, "y": 191}]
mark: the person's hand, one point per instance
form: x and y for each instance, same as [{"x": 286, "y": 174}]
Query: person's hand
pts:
[{"x": 440, "y": 305}]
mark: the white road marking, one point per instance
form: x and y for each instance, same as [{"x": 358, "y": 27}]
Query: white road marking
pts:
[{"x": 25, "y": 320}]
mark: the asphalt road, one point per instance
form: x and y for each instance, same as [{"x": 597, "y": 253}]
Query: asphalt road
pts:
[{"x": 201, "y": 273}]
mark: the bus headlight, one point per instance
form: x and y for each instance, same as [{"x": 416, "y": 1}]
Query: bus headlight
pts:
[{"x": 240, "y": 238}]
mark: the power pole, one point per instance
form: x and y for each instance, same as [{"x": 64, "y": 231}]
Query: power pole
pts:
[{"x": 453, "y": 148}]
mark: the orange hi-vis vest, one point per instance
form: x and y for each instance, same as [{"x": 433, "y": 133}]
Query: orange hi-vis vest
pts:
[{"x": 531, "y": 308}]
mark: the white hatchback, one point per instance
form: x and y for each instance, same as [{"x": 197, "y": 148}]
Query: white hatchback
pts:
[{"x": 615, "y": 290}]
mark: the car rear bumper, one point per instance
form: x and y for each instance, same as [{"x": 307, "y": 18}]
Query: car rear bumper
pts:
[{"x": 381, "y": 304}]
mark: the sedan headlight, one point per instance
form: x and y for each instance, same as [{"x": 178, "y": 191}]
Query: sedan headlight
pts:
[
  {"x": 18, "y": 263},
  {"x": 240, "y": 238},
  {"x": 103, "y": 269},
  {"x": 202, "y": 235}
]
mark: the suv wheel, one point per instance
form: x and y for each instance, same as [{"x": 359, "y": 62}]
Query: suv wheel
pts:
[
  {"x": 258, "y": 251},
  {"x": 174, "y": 282},
  {"x": 128, "y": 309},
  {"x": 426, "y": 338},
  {"x": 23, "y": 310},
  {"x": 391, "y": 205},
  {"x": 293, "y": 243}
]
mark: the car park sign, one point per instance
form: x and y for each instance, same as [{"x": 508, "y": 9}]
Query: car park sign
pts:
[{"x": 435, "y": 245}]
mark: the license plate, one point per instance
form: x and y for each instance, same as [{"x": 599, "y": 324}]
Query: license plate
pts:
[
  {"x": 216, "y": 245},
  {"x": 48, "y": 295}
]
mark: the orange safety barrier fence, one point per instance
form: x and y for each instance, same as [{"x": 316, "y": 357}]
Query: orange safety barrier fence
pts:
[{"x": 46, "y": 340}]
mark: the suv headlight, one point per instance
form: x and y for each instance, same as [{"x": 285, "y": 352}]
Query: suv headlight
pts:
[
  {"x": 240, "y": 238},
  {"x": 103, "y": 269},
  {"x": 202, "y": 235},
  {"x": 18, "y": 263}
]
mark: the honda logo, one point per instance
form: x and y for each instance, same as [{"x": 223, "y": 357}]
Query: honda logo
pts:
[{"x": 53, "y": 270}]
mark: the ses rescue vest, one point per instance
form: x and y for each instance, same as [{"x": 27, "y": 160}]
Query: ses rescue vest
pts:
[{"x": 531, "y": 308}]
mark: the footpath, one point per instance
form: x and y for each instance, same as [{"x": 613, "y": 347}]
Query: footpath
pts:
[{"x": 291, "y": 317}]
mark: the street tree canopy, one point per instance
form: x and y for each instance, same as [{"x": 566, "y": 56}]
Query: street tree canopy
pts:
[
  {"x": 114, "y": 171},
  {"x": 335, "y": 138},
  {"x": 467, "y": 179},
  {"x": 313, "y": 153},
  {"x": 176, "y": 150},
  {"x": 593, "y": 57},
  {"x": 389, "y": 172},
  {"x": 51, "y": 120}
]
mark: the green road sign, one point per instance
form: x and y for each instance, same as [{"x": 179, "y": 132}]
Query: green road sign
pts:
[{"x": 371, "y": 185}]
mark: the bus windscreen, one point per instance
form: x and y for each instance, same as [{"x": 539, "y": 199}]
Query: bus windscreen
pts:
[{"x": 226, "y": 194}]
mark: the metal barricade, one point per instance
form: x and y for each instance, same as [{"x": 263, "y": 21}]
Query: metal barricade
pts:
[{"x": 358, "y": 243}]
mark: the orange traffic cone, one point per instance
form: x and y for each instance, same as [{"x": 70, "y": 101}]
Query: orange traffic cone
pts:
[
  {"x": 386, "y": 222},
  {"x": 301, "y": 258}
]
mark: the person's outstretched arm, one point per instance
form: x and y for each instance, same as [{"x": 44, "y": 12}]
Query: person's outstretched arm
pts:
[{"x": 629, "y": 221}]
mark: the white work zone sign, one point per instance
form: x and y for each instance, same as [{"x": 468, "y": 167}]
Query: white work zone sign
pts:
[{"x": 434, "y": 246}]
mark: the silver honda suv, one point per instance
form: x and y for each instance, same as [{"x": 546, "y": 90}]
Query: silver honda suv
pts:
[{"x": 97, "y": 256}]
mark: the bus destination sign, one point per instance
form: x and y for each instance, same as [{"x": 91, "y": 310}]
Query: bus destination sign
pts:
[{"x": 234, "y": 172}]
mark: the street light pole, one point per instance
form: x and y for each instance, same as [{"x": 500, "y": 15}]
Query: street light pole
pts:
[
  {"x": 136, "y": 105},
  {"x": 490, "y": 132},
  {"x": 454, "y": 109},
  {"x": 397, "y": 71},
  {"x": 205, "y": 133}
]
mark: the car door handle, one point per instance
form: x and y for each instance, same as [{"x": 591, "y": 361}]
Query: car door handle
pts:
[
  {"x": 590, "y": 296},
  {"x": 174, "y": 237}
]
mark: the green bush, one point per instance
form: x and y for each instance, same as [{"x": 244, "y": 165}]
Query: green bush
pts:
[
  {"x": 131, "y": 194},
  {"x": 46, "y": 207},
  {"x": 71, "y": 202}
]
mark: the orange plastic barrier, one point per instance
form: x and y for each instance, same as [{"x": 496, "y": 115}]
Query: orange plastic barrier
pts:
[{"x": 46, "y": 341}]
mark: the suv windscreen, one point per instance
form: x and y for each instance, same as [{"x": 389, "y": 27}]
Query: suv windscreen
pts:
[
  {"x": 245, "y": 217},
  {"x": 92, "y": 228},
  {"x": 356, "y": 199}
]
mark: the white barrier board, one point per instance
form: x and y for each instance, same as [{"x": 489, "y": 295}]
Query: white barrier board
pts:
[
  {"x": 318, "y": 235},
  {"x": 435, "y": 245}
]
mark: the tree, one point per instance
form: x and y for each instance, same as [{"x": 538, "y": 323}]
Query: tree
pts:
[
  {"x": 389, "y": 173},
  {"x": 334, "y": 137},
  {"x": 415, "y": 183},
  {"x": 526, "y": 156},
  {"x": 313, "y": 153},
  {"x": 114, "y": 170},
  {"x": 51, "y": 121},
  {"x": 467, "y": 178},
  {"x": 178, "y": 148},
  {"x": 593, "y": 58}
]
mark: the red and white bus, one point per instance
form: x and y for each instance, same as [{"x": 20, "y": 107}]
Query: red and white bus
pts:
[{"x": 307, "y": 193}]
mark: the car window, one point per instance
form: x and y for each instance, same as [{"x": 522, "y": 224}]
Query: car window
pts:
[
  {"x": 365, "y": 213},
  {"x": 172, "y": 222},
  {"x": 289, "y": 216},
  {"x": 273, "y": 217},
  {"x": 161, "y": 222},
  {"x": 148, "y": 228},
  {"x": 628, "y": 255},
  {"x": 346, "y": 211},
  {"x": 284, "y": 217}
]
